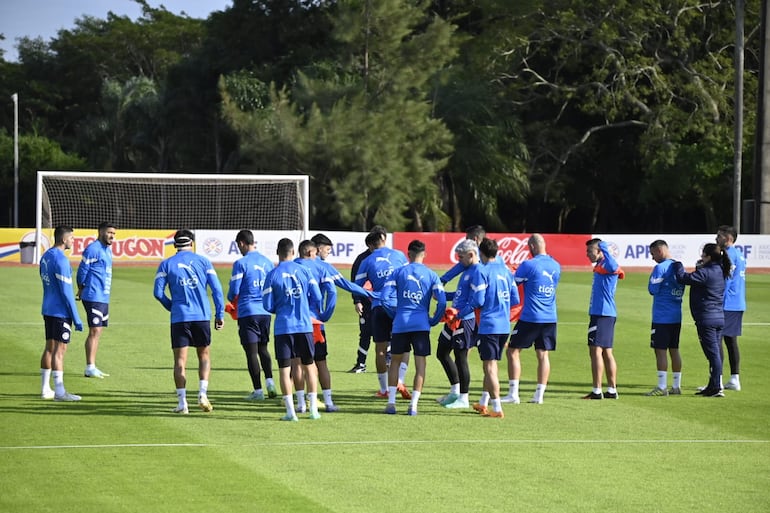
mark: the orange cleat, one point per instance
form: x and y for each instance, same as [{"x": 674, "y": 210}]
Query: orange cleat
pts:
[
  {"x": 481, "y": 409},
  {"x": 404, "y": 392},
  {"x": 381, "y": 395},
  {"x": 494, "y": 414}
]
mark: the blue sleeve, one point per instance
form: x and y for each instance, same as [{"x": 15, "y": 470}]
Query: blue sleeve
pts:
[
  {"x": 235, "y": 281},
  {"x": 515, "y": 299},
  {"x": 216, "y": 292},
  {"x": 268, "y": 301},
  {"x": 160, "y": 288},
  {"x": 451, "y": 273},
  {"x": 68, "y": 294},
  {"x": 439, "y": 294},
  {"x": 477, "y": 296},
  {"x": 610, "y": 264},
  {"x": 656, "y": 279},
  {"x": 328, "y": 291}
]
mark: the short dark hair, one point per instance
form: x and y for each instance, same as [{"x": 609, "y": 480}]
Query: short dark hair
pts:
[
  {"x": 726, "y": 228},
  {"x": 475, "y": 232},
  {"x": 245, "y": 236},
  {"x": 321, "y": 240},
  {"x": 488, "y": 248},
  {"x": 183, "y": 238},
  {"x": 415, "y": 248},
  {"x": 59, "y": 233},
  {"x": 104, "y": 225},
  {"x": 285, "y": 246},
  {"x": 592, "y": 242},
  {"x": 373, "y": 238},
  {"x": 658, "y": 243},
  {"x": 304, "y": 248}
]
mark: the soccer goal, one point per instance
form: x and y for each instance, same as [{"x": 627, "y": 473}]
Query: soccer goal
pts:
[{"x": 171, "y": 201}]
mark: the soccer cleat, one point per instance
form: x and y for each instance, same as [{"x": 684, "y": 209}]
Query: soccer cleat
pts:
[
  {"x": 701, "y": 389},
  {"x": 66, "y": 396},
  {"x": 331, "y": 408},
  {"x": 381, "y": 394},
  {"x": 657, "y": 392},
  {"x": 290, "y": 418},
  {"x": 674, "y": 391},
  {"x": 95, "y": 373},
  {"x": 181, "y": 409},
  {"x": 459, "y": 403},
  {"x": 358, "y": 368},
  {"x": 610, "y": 395},
  {"x": 404, "y": 392},
  {"x": 204, "y": 404},
  {"x": 510, "y": 399},
  {"x": 448, "y": 399},
  {"x": 302, "y": 409},
  {"x": 47, "y": 394},
  {"x": 481, "y": 409},
  {"x": 314, "y": 415},
  {"x": 733, "y": 385},
  {"x": 271, "y": 391},
  {"x": 710, "y": 392},
  {"x": 535, "y": 400},
  {"x": 494, "y": 414},
  {"x": 593, "y": 395},
  {"x": 390, "y": 409},
  {"x": 411, "y": 412},
  {"x": 256, "y": 395}
]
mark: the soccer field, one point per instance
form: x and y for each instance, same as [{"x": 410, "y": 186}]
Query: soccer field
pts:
[{"x": 122, "y": 450}]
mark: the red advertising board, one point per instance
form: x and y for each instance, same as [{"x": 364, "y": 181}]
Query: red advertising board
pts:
[{"x": 568, "y": 250}]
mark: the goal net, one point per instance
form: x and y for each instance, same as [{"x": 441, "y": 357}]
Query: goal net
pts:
[{"x": 172, "y": 201}]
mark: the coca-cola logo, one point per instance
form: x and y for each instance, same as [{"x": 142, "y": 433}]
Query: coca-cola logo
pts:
[{"x": 513, "y": 250}]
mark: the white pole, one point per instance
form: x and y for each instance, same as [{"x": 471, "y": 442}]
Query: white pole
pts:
[{"x": 15, "y": 98}]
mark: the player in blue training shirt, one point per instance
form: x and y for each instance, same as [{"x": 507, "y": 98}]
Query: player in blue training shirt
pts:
[
  {"x": 602, "y": 312},
  {"x": 289, "y": 290},
  {"x": 59, "y": 314},
  {"x": 666, "y": 295},
  {"x": 322, "y": 311},
  {"x": 476, "y": 233},
  {"x": 246, "y": 282},
  {"x": 735, "y": 302},
  {"x": 537, "y": 322},
  {"x": 377, "y": 269},
  {"x": 187, "y": 275},
  {"x": 494, "y": 291},
  {"x": 414, "y": 286},
  {"x": 458, "y": 335},
  {"x": 94, "y": 278}
]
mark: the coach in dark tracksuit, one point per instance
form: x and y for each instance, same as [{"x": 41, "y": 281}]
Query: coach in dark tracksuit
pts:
[{"x": 707, "y": 289}]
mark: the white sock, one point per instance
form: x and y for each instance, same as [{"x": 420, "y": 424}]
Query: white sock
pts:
[
  {"x": 300, "y": 399},
  {"x": 289, "y": 403},
  {"x": 662, "y": 379},
  {"x": 90, "y": 366},
  {"x": 45, "y": 379},
  {"x": 677, "y": 383},
  {"x": 496, "y": 405},
  {"x": 464, "y": 398},
  {"x": 484, "y": 400},
  {"x": 415, "y": 398},
  {"x": 392, "y": 395},
  {"x": 454, "y": 389},
  {"x": 327, "y": 396},
  {"x": 402, "y": 371},
  {"x": 269, "y": 382},
  {"x": 513, "y": 387},
  {"x": 598, "y": 390},
  {"x": 735, "y": 378},
  {"x": 203, "y": 388},
  {"x": 539, "y": 392},
  {"x": 382, "y": 377},
  {"x": 612, "y": 390},
  {"x": 313, "y": 400},
  {"x": 181, "y": 395},
  {"x": 58, "y": 382}
]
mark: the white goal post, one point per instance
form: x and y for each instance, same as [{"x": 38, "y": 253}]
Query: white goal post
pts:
[{"x": 171, "y": 201}]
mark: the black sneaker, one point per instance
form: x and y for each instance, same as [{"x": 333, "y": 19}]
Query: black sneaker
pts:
[
  {"x": 710, "y": 392},
  {"x": 358, "y": 368},
  {"x": 610, "y": 395},
  {"x": 594, "y": 395}
]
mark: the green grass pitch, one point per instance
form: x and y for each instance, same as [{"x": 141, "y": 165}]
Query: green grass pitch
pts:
[{"x": 122, "y": 450}]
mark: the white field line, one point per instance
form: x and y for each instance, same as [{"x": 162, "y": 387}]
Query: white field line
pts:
[{"x": 381, "y": 442}]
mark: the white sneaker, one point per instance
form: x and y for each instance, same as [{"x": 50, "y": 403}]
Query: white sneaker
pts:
[
  {"x": 510, "y": 399},
  {"x": 182, "y": 409},
  {"x": 95, "y": 373},
  {"x": 47, "y": 394},
  {"x": 458, "y": 403},
  {"x": 535, "y": 400},
  {"x": 66, "y": 397},
  {"x": 733, "y": 385}
]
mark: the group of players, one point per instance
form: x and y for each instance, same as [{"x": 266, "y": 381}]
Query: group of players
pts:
[{"x": 394, "y": 311}]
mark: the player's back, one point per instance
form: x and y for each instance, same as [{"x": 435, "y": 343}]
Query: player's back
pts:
[
  {"x": 500, "y": 293},
  {"x": 254, "y": 267},
  {"x": 540, "y": 277},
  {"x": 414, "y": 284},
  {"x": 187, "y": 276},
  {"x": 378, "y": 268},
  {"x": 289, "y": 289}
]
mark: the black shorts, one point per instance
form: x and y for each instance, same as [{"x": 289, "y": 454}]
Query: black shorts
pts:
[
  {"x": 254, "y": 329},
  {"x": 733, "y": 324},
  {"x": 601, "y": 331},
  {"x": 382, "y": 324},
  {"x": 295, "y": 345},
  {"x": 491, "y": 346},
  {"x": 193, "y": 333},
  {"x": 543, "y": 335},
  {"x": 665, "y": 336},
  {"x": 57, "y": 329},
  {"x": 97, "y": 314},
  {"x": 417, "y": 340}
]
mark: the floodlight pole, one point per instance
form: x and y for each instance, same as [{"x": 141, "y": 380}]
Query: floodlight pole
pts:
[
  {"x": 738, "y": 133},
  {"x": 15, "y": 98}
]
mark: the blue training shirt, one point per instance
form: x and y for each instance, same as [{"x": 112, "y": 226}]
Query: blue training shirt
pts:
[
  {"x": 493, "y": 291},
  {"x": 95, "y": 273},
  {"x": 321, "y": 310},
  {"x": 377, "y": 268},
  {"x": 58, "y": 295},
  {"x": 666, "y": 294},
  {"x": 246, "y": 282},
  {"x": 540, "y": 276},
  {"x": 187, "y": 275},
  {"x": 464, "y": 291},
  {"x": 289, "y": 290},
  {"x": 415, "y": 285},
  {"x": 735, "y": 286},
  {"x": 605, "y": 282}
]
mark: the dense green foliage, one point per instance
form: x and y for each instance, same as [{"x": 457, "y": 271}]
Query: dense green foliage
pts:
[{"x": 537, "y": 115}]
